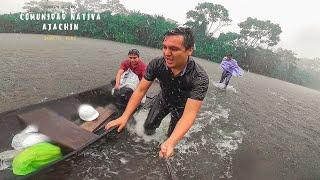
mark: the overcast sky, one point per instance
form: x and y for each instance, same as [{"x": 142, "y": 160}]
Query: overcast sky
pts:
[{"x": 299, "y": 20}]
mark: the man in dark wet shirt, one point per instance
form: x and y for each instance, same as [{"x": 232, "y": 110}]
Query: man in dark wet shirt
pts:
[{"x": 183, "y": 83}]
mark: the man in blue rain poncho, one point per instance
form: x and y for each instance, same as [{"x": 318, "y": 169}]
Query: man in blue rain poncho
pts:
[
  {"x": 230, "y": 68},
  {"x": 184, "y": 85}
]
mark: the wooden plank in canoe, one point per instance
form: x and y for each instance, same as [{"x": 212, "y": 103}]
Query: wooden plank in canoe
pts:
[
  {"x": 58, "y": 128},
  {"x": 104, "y": 113}
]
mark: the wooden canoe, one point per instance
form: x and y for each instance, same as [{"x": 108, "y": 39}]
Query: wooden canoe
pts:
[{"x": 59, "y": 120}]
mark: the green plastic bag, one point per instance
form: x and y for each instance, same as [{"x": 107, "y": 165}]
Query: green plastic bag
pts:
[{"x": 35, "y": 157}]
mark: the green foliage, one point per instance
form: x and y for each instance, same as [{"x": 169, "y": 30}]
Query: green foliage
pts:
[
  {"x": 208, "y": 14},
  {"x": 134, "y": 28},
  {"x": 256, "y": 33},
  {"x": 118, "y": 24},
  {"x": 216, "y": 48},
  {"x": 57, "y": 6}
]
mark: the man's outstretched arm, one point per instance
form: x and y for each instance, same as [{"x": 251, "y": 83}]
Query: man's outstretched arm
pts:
[
  {"x": 191, "y": 109},
  {"x": 118, "y": 77}
]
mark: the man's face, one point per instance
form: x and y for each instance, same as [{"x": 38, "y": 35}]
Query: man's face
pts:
[
  {"x": 174, "y": 52},
  {"x": 229, "y": 57},
  {"x": 134, "y": 59}
]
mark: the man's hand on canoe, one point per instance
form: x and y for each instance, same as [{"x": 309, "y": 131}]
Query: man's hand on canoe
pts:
[{"x": 120, "y": 122}]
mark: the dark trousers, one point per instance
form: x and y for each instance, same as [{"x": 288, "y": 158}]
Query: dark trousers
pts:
[
  {"x": 158, "y": 111},
  {"x": 226, "y": 75},
  {"x": 122, "y": 96}
]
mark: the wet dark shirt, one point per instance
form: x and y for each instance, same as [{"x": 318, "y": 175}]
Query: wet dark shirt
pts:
[{"x": 191, "y": 83}]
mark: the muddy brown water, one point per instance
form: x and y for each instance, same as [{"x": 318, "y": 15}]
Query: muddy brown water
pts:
[{"x": 259, "y": 128}]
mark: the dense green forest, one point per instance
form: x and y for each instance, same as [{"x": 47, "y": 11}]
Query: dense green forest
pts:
[{"x": 254, "y": 47}]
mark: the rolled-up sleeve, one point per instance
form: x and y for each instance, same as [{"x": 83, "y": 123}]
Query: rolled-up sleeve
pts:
[{"x": 150, "y": 73}]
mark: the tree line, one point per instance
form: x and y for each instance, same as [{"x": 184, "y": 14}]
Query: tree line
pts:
[{"x": 253, "y": 47}]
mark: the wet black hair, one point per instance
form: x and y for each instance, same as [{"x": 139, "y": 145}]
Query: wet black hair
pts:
[
  {"x": 134, "y": 52},
  {"x": 187, "y": 34},
  {"x": 229, "y": 54}
]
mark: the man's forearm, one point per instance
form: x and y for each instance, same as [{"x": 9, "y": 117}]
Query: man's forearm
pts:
[
  {"x": 136, "y": 97},
  {"x": 118, "y": 78},
  {"x": 192, "y": 107},
  {"x": 182, "y": 127}
]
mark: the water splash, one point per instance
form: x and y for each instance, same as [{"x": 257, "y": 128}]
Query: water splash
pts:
[
  {"x": 123, "y": 160},
  {"x": 229, "y": 142},
  {"x": 136, "y": 127},
  {"x": 45, "y": 99},
  {"x": 222, "y": 85}
]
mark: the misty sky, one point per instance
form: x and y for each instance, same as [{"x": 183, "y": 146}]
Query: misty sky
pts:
[{"x": 299, "y": 20}]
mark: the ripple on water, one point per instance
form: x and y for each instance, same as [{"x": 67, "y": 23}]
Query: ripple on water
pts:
[
  {"x": 213, "y": 137},
  {"x": 221, "y": 86}
]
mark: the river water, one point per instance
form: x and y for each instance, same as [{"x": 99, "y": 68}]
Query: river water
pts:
[{"x": 259, "y": 128}]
